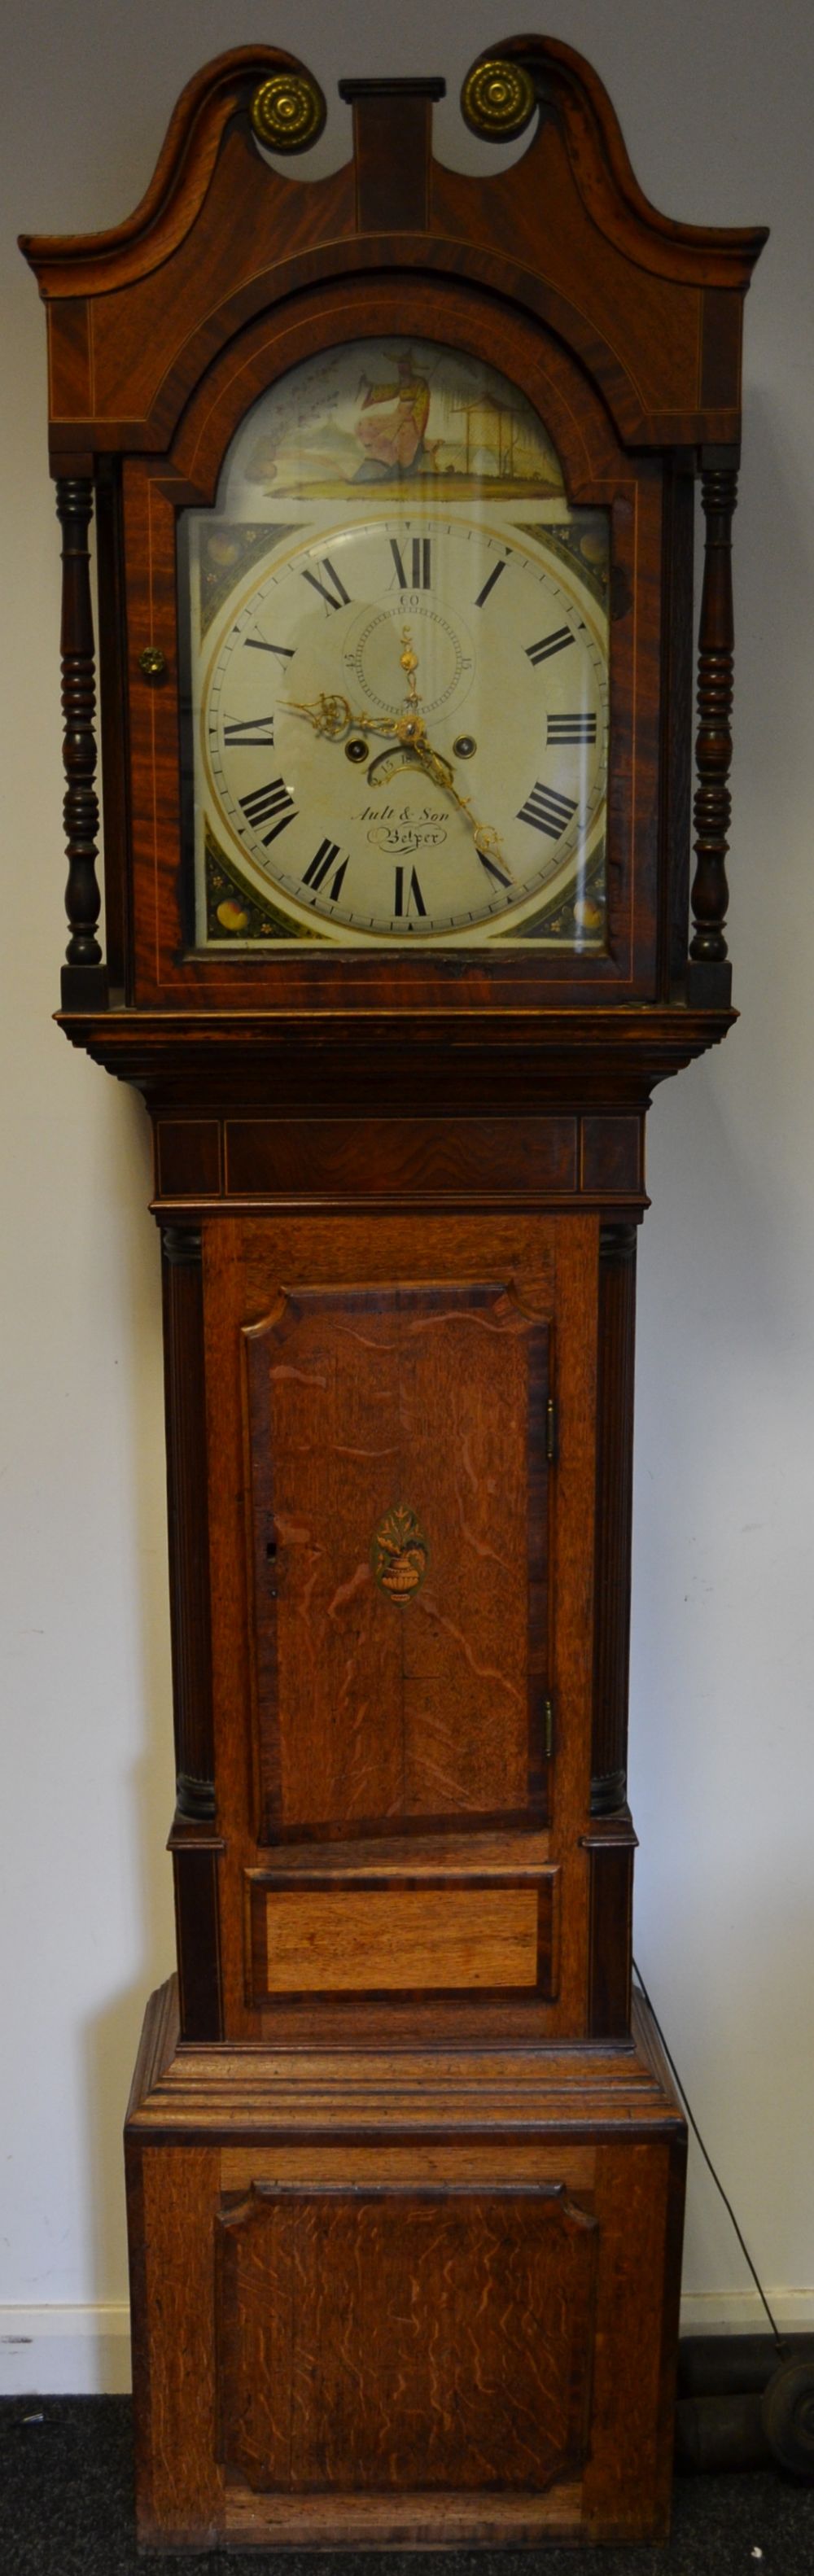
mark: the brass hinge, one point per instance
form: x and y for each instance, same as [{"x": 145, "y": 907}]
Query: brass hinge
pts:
[
  {"x": 551, "y": 1431},
  {"x": 548, "y": 1728}
]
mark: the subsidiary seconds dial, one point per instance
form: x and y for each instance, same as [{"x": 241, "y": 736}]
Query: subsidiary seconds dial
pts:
[{"x": 404, "y": 730}]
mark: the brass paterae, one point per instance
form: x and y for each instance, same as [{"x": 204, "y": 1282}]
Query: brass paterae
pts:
[
  {"x": 288, "y": 111},
  {"x": 498, "y": 99}
]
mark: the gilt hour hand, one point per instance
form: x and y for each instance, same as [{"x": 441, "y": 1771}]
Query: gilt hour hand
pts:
[{"x": 335, "y": 716}]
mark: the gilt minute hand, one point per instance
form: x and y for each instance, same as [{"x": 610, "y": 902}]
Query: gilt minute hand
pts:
[
  {"x": 334, "y": 717},
  {"x": 411, "y": 731},
  {"x": 487, "y": 841}
]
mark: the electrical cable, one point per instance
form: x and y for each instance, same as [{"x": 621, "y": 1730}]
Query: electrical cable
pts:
[{"x": 778, "y": 2338}]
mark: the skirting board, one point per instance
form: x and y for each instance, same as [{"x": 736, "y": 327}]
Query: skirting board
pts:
[
  {"x": 66, "y": 2351},
  {"x": 741, "y": 2312},
  {"x": 63, "y": 2351}
]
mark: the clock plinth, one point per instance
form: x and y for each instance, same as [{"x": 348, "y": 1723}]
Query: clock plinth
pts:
[
  {"x": 395, "y": 600},
  {"x": 445, "y": 2293}
]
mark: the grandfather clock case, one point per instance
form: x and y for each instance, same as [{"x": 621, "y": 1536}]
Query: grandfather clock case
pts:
[{"x": 394, "y": 484}]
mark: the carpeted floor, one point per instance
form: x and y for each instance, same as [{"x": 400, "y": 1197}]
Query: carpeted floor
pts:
[{"x": 66, "y": 2510}]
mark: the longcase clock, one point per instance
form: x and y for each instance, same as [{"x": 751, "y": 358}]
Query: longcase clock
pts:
[{"x": 394, "y": 486}]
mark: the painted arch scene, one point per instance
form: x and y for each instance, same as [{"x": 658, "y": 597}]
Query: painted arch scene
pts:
[{"x": 392, "y": 413}]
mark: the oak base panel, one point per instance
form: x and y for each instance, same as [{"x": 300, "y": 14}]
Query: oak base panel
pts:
[
  {"x": 382, "y": 2522},
  {"x": 397, "y": 2300}
]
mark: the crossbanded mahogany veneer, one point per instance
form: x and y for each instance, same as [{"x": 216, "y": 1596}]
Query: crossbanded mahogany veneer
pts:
[{"x": 393, "y": 474}]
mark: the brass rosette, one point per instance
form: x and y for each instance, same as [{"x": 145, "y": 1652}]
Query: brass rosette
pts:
[
  {"x": 498, "y": 99},
  {"x": 288, "y": 111}
]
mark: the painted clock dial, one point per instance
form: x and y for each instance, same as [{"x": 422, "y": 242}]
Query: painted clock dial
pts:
[{"x": 397, "y": 702}]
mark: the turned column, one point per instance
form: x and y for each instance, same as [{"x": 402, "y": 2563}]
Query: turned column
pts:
[
  {"x": 84, "y": 981},
  {"x": 710, "y": 974}
]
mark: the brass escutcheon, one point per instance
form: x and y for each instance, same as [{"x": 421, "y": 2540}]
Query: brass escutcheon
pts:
[
  {"x": 288, "y": 111},
  {"x": 498, "y": 99}
]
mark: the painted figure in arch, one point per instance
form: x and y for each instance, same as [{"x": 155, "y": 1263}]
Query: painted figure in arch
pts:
[{"x": 394, "y": 442}]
